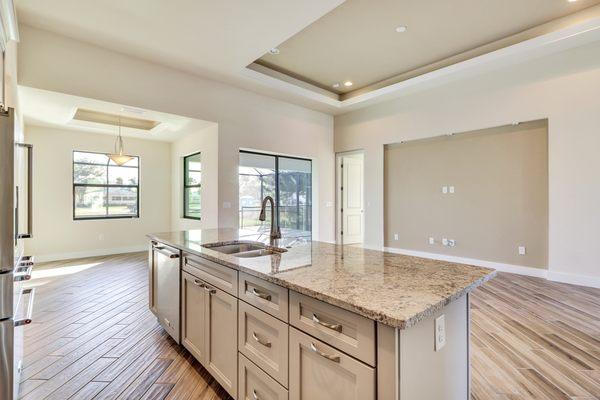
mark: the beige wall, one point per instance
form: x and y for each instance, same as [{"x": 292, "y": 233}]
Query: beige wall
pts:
[
  {"x": 245, "y": 119},
  {"x": 500, "y": 199},
  {"x": 56, "y": 234},
  {"x": 563, "y": 88},
  {"x": 205, "y": 141}
]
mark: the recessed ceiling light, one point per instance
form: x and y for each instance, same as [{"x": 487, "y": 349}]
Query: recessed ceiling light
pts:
[
  {"x": 347, "y": 83},
  {"x": 572, "y": 1},
  {"x": 401, "y": 29},
  {"x": 336, "y": 85},
  {"x": 274, "y": 51}
]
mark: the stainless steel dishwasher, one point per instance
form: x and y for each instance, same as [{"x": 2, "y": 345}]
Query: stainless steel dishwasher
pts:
[{"x": 164, "y": 284}]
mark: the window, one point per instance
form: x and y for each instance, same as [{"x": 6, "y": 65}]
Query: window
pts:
[
  {"x": 288, "y": 180},
  {"x": 191, "y": 186},
  {"x": 103, "y": 189}
]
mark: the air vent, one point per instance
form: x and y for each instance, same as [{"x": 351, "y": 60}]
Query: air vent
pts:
[{"x": 112, "y": 119}]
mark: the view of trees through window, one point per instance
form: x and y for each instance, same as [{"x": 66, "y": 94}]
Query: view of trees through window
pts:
[
  {"x": 103, "y": 189},
  {"x": 288, "y": 180},
  {"x": 192, "y": 172}
]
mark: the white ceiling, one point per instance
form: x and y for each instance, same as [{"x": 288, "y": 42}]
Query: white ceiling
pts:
[
  {"x": 56, "y": 110},
  {"x": 211, "y": 38},
  {"x": 219, "y": 39}
]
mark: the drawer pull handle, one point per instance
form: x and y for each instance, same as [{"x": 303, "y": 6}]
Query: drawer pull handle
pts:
[
  {"x": 335, "y": 327},
  {"x": 261, "y": 295},
  {"x": 259, "y": 340},
  {"x": 209, "y": 289},
  {"x": 199, "y": 283},
  {"x": 324, "y": 355},
  {"x": 254, "y": 395}
]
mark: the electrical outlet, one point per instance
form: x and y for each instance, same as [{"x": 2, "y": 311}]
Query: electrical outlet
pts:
[
  {"x": 101, "y": 236},
  {"x": 522, "y": 250},
  {"x": 431, "y": 240},
  {"x": 451, "y": 242},
  {"x": 440, "y": 332},
  {"x": 445, "y": 189},
  {"x": 395, "y": 236},
  {"x": 445, "y": 242}
]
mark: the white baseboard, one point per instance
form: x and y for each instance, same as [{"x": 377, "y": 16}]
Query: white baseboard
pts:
[
  {"x": 573, "y": 279},
  {"x": 89, "y": 253},
  {"x": 515, "y": 269}
]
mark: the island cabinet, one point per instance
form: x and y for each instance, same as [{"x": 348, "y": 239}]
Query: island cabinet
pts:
[
  {"x": 209, "y": 321},
  {"x": 262, "y": 341}
]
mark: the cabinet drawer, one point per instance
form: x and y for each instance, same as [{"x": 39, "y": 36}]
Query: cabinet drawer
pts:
[
  {"x": 264, "y": 340},
  {"x": 343, "y": 329},
  {"x": 215, "y": 274},
  {"x": 320, "y": 372},
  {"x": 270, "y": 298},
  {"x": 255, "y": 384}
]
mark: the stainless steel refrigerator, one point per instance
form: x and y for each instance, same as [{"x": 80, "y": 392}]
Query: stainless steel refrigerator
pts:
[{"x": 16, "y": 300}]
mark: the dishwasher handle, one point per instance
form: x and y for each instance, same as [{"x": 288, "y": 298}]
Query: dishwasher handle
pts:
[{"x": 163, "y": 250}]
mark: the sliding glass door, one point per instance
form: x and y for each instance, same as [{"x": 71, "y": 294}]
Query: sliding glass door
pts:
[{"x": 288, "y": 180}]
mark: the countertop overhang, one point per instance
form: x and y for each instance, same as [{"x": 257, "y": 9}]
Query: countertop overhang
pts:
[{"x": 394, "y": 289}]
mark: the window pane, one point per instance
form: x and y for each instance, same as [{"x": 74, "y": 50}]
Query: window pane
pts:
[
  {"x": 192, "y": 202},
  {"x": 122, "y": 176},
  {"x": 193, "y": 178},
  {"x": 91, "y": 158},
  {"x": 295, "y": 194},
  {"x": 90, "y": 201},
  {"x": 90, "y": 174},
  {"x": 256, "y": 181},
  {"x": 122, "y": 201}
]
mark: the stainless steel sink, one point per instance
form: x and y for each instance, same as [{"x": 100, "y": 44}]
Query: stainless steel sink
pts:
[
  {"x": 257, "y": 253},
  {"x": 244, "y": 250},
  {"x": 235, "y": 247}
]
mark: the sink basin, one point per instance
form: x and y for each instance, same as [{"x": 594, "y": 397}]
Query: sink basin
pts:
[
  {"x": 245, "y": 250},
  {"x": 235, "y": 247}
]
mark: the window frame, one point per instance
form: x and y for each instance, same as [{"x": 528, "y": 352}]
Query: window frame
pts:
[
  {"x": 107, "y": 186},
  {"x": 186, "y": 186}
]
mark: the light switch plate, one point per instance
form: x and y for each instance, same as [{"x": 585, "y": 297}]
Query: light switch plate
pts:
[
  {"x": 445, "y": 189},
  {"x": 522, "y": 250},
  {"x": 440, "y": 332},
  {"x": 451, "y": 189},
  {"x": 395, "y": 236},
  {"x": 431, "y": 240}
]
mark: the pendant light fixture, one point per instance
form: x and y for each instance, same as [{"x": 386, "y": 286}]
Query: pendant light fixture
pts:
[{"x": 118, "y": 157}]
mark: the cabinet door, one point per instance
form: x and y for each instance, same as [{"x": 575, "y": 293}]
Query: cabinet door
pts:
[
  {"x": 194, "y": 303},
  {"x": 320, "y": 372},
  {"x": 221, "y": 338}
]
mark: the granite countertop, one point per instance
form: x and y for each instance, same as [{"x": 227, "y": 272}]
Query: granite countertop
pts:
[{"x": 394, "y": 289}]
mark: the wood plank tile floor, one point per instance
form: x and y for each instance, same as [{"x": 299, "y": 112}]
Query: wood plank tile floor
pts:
[{"x": 93, "y": 337}]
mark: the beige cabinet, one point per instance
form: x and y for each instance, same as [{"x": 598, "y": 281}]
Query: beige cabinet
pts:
[
  {"x": 264, "y": 340},
  {"x": 221, "y": 338},
  {"x": 193, "y": 315},
  {"x": 257, "y": 385},
  {"x": 321, "y": 372},
  {"x": 209, "y": 329}
]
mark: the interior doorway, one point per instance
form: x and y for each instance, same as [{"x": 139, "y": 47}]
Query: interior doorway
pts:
[{"x": 350, "y": 221}]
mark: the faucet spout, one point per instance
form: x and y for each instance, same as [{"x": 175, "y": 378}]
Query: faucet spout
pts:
[{"x": 275, "y": 231}]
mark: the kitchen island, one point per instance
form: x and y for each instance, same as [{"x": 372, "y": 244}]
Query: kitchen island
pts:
[{"x": 292, "y": 319}]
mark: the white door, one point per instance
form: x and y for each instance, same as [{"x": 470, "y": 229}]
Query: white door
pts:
[{"x": 352, "y": 198}]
